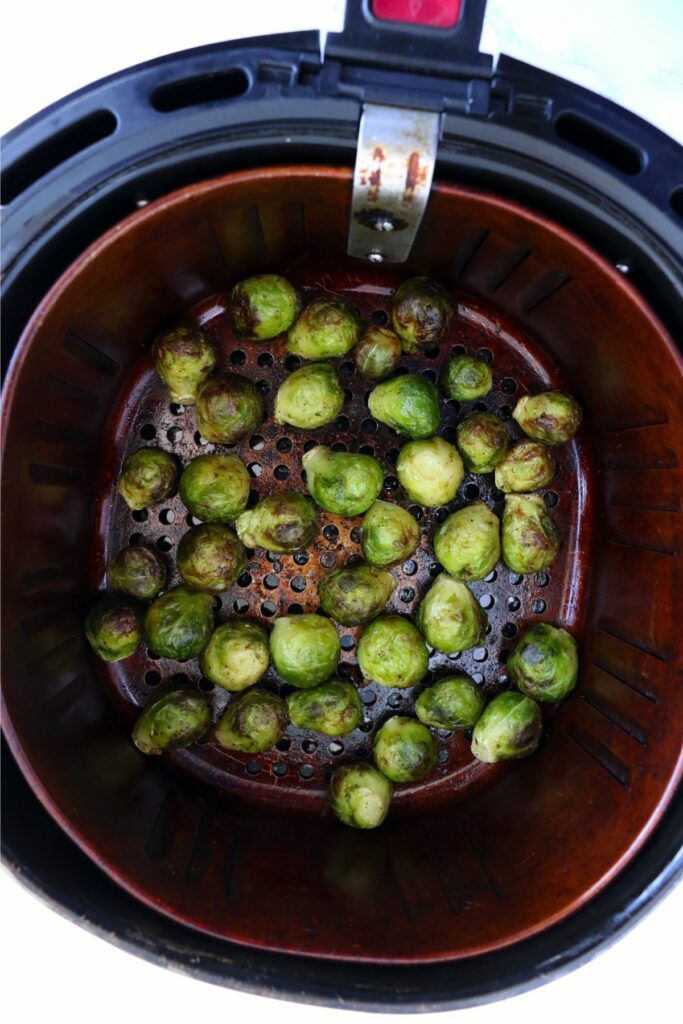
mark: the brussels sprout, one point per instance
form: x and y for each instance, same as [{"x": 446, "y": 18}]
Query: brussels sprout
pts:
[
  {"x": 228, "y": 408},
  {"x": 451, "y": 703},
  {"x": 138, "y": 571},
  {"x": 530, "y": 539},
  {"x": 421, "y": 313},
  {"x": 392, "y": 653},
  {"x": 215, "y": 488},
  {"x": 483, "y": 440},
  {"x": 327, "y": 327},
  {"x": 552, "y": 417},
  {"x": 345, "y": 483},
  {"x": 355, "y": 594},
  {"x": 185, "y": 358},
  {"x": 210, "y": 557},
  {"x": 449, "y": 617},
  {"x": 283, "y": 522},
  {"x": 236, "y": 656},
  {"x": 389, "y": 534},
  {"x": 465, "y": 378},
  {"x": 305, "y": 649},
  {"x": 263, "y": 306},
  {"x": 171, "y": 722},
  {"x": 113, "y": 628},
  {"x": 179, "y": 623},
  {"x": 467, "y": 543},
  {"x": 408, "y": 404},
  {"x": 544, "y": 664},
  {"x": 511, "y": 726},
  {"x": 430, "y": 471},
  {"x": 309, "y": 397},
  {"x": 333, "y": 708},
  {"x": 378, "y": 353},
  {"x": 253, "y": 722},
  {"x": 527, "y": 466},
  {"x": 360, "y": 796},
  {"x": 148, "y": 476},
  {"x": 404, "y": 750}
]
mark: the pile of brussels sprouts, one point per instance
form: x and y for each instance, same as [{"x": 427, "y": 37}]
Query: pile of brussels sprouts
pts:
[{"x": 178, "y": 623}]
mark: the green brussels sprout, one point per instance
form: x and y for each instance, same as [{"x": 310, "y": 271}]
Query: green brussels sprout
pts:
[
  {"x": 113, "y": 628},
  {"x": 360, "y": 796},
  {"x": 408, "y": 404},
  {"x": 467, "y": 543},
  {"x": 483, "y": 440},
  {"x": 527, "y": 466},
  {"x": 228, "y": 408},
  {"x": 236, "y": 656},
  {"x": 378, "y": 353},
  {"x": 263, "y": 306},
  {"x": 421, "y": 313},
  {"x": 210, "y": 557},
  {"x": 544, "y": 664},
  {"x": 389, "y": 534},
  {"x": 332, "y": 708},
  {"x": 430, "y": 471},
  {"x": 510, "y": 727},
  {"x": 344, "y": 483},
  {"x": 185, "y": 358},
  {"x": 138, "y": 571},
  {"x": 179, "y": 623},
  {"x": 552, "y": 417},
  {"x": 327, "y": 327},
  {"x": 148, "y": 476},
  {"x": 392, "y": 653},
  {"x": 215, "y": 488},
  {"x": 355, "y": 594},
  {"x": 253, "y": 722},
  {"x": 305, "y": 649},
  {"x": 465, "y": 378},
  {"x": 404, "y": 749},
  {"x": 451, "y": 703},
  {"x": 283, "y": 522},
  {"x": 529, "y": 538},
  {"x": 175, "y": 720},
  {"x": 309, "y": 397},
  {"x": 449, "y": 617}
]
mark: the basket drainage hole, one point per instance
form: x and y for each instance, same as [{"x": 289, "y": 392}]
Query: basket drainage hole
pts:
[
  {"x": 295, "y": 609},
  {"x": 509, "y": 629},
  {"x": 339, "y": 446},
  {"x": 328, "y": 560},
  {"x": 480, "y": 654},
  {"x": 543, "y": 579},
  {"x": 179, "y": 679},
  {"x": 244, "y": 580},
  {"x": 369, "y": 697},
  {"x": 309, "y": 746},
  {"x": 502, "y": 683},
  {"x": 176, "y": 408},
  {"x": 369, "y": 426},
  {"x": 298, "y": 584},
  {"x": 292, "y": 363},
  {"x": 409, "y": 567},
  {"x": 440, "y": 515},
  {"x": 255, "y": 469},
  {"x": 394, "y": 700},
  {"x": 283, "y": 444},
  {"x": 331, "y": 533},
  {"x": 152, "y": 678},
  {"x": 429, "y": 375},
  {"x": 199, "y": 440},
  {"x": 174, "y": 434},
  {"x": 356, "y": 535},
  {"x": 539, "y": 606},
  {"x": 347, "y": 643},
  {"x": 280, "y": 770},
  {"x": 164, "y": 543},
  {"x": 166, "y": 516},
  {"x": 152, "y": 655},
  {"x": 478, "y": 678},
  {"x": 471, "y": 491},
  {"x": 492, "y": 577},
  {"x": 485, "y": 354},
  {"x": 265, "y": 359},
  {"x": 416, "y": 512},
  {"x": 268, "y": 608},
  {"x": 301, "y": 557},
  {"x": 281, "y": 473},
  {"x": 271, "y": 581},
  {"x": 206, "y": 685},
  {"x": 380, "y": 317},
  {"x": 444, "y": 756},
  {"x": 435, "y": 570},
  {"x": 514, "y": 604},
  {"x": 514, "y": 578},
  {"x": 136, "y": 538},
  {"x": 256, "y": 443},
  {"x": 505, "y": 412},
  {"x": 390, "y": 483},
  {"x": 253, "y": 767},
  {"x": 238, "y": 358},
  {"x": 306, "y": 771},
  {"x": 311, "y": 443},
  {"x": 149, "y": 431},
  {"x": 283, "y": 745},
  {"x": 336, "y": 748},
  {"x": 140, "y": 515},
  {"x": 487, "y": 601},
  {"x": 551, "y": 499},
  {"x": 458, "y": 350},
  {"x": 241, "y": 606},
  {"x": 508, "y": 385},
  {"x": 406, "y": 594}
]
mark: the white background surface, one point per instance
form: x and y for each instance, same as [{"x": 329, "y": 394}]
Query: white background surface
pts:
[{"x": 631, "y": 51}]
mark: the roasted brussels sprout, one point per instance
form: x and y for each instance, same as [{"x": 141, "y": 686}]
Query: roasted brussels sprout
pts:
[
  {"x": 138, "y": 571},
  {"x": 378, "y": 353},
  {"x": 529, "y": 538},
  {"x": 253, "y": 722},
  {"x": 451, "y": 703},
  {"x": 228, "y": 408},
  {"x": 392, "y": 653},
  {"x": 113, "y": 628},
  {"x": 389, "y": 534},
  {"x": 309, "y": 397},
  {"x": 332, "y": 708},
  {"x": 345, "y": 483},
  {"x": 327, "y": 327},
  {"x": 175, "y": 720},
  {"x": 511, "y": 726},
  {"x": 215, "y": 488},
  {"x": 430, "y": 471},
  {"x": 184, "y": 358},
  {"x": 263, "y": 306},
  {"x": 483, "y": 440},
  {"x": 552, "y": 417},
  {"x": 467, "y": 543},
  {"x": 421, "y": 313},
  {"x": 236, "y": 656},
  {"x": 305, "y": 649},
  {"x": 544, "y": 664},
  {"x": 360, "y": 796},
  {"x": 527, "y": 466},
  {"x": 465, "y": 378},
  {"x": 404, "y": 749},
  {"x": 148, "y": 476},
  {"x": 408, "y": 404},
  {"x": 449, "y": 617},
  {"x": 210, "y": 557},
  {"x": 282, "y": 523},
  {"x": 355, "y": 594},
  {"x": 179, "y": 623}
]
